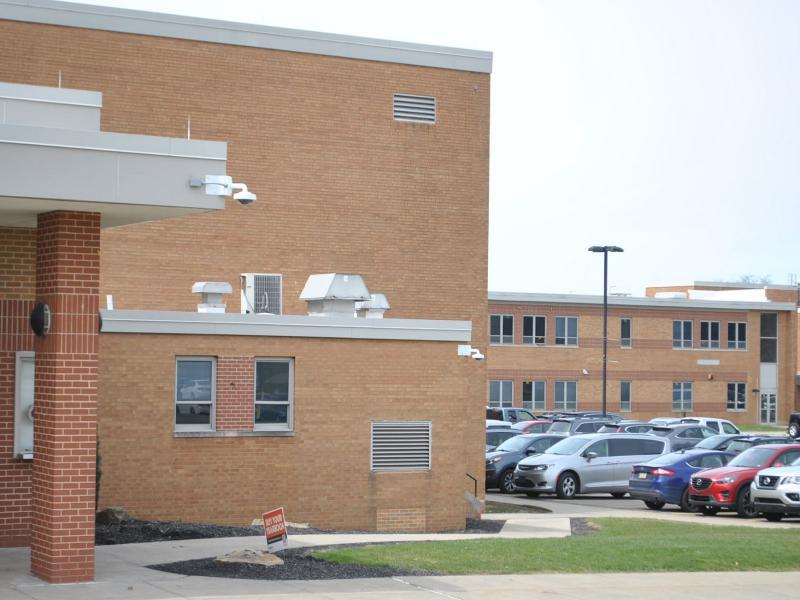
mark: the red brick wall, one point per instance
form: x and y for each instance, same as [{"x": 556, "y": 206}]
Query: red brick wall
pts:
[
  {"x": 235, "y": 376},
  {"x": 68, "y": 276}
]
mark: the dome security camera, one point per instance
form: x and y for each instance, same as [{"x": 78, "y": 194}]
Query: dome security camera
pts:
[{"x": 244, "y": 197}]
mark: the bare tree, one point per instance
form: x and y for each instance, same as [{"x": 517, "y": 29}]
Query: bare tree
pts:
[{"x": 749, "y": 278}]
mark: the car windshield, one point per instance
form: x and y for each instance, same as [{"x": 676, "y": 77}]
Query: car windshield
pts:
[
  {"x": 514, "y": 444},
  {"x": 712, "y": 442},
  {"x": 754, "y": 457},
  {"x": 739, "y": 445},
  {"x": 560, "y": 426},
  {"x": 568, "y": 446}
]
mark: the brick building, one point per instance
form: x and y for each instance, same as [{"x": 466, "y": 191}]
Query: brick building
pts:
[
  {"x": 727, "y": 350},
  {"x": 368, "y": 157}
]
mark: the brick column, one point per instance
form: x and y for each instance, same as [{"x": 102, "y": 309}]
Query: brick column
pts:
[{"x": 67, "y": 278}]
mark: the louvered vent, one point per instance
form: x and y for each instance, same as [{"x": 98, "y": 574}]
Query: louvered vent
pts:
[
  {"x": 417, "y": 109},
  {"x": 401, "y": 445},
  {"x": 261, "y": 293}
]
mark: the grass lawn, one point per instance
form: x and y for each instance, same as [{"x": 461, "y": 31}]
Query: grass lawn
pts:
[
  {"x": 777, "y": 429},
  {"x": 620, "y": 545}
]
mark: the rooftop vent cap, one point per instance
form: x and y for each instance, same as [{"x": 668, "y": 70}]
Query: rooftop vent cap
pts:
[
  {"x": 334, "y": 294},
  {"x": 212, "y": 292},
  {"x": 374, "y": 307},
  {"x": 672, "y": 295}
]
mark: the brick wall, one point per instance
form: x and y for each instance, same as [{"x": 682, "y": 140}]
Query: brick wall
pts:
[
  {"x": 17, "y": 259},
  {"x": 234, "y": 394}
]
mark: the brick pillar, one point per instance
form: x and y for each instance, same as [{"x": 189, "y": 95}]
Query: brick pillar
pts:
[{"x": 67, "y": 278}]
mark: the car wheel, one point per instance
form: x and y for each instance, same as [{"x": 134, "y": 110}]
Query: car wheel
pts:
[
  {"x": 507, "y": 482},
  {"x": 654, "y": 504},
  {"x": 532, "y": 494},
  {"x": 709, "y": 511},
  {"x": 567, "y": 485},
  {"x": 618, "y": 494},
  {"x": 794, "y": 430},
  {"x": 685, "y": 506},
  {"x": 744, "y": 505},
  {"x": 773, "y": 517}
]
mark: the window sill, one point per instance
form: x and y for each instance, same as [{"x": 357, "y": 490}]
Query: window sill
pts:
[{"x": 232, "y": 433}]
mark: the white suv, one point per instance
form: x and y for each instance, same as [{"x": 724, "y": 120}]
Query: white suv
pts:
[{"x": 776, "y": 492}]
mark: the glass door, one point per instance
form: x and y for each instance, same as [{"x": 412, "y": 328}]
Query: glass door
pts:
[{"x": 769, "y": 408}]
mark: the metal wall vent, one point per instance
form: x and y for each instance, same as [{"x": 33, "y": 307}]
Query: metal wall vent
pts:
[
  {"x": 262, "y": 293},
  {"x": 401, "y": 445},
  {"x": 416, "y": 109}
]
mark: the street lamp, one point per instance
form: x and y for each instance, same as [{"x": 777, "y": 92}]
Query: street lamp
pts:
[{"x": 605, "y": 250}]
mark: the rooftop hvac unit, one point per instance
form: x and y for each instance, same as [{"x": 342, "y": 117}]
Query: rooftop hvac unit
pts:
[{"x": 262, "y": 293}]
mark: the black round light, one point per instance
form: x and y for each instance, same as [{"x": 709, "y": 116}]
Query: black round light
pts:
[{"x": 40, "y": 319}]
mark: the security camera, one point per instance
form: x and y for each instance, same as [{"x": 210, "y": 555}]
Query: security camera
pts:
[
  {"x": 476, "y": 354},
  {"x": 244, "y": 197}
]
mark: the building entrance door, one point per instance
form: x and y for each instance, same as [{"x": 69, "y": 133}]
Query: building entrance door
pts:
[{"x": 768, "y": 412}]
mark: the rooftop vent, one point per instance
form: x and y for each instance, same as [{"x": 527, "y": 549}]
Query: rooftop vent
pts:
[
  {"x": 672, "y": 295},
  {"x": 374, "y": 307},
  {"x": 212, "y": 292},
  {"x": 334, "y": 294},
  {"x": 416, "y": 109}
]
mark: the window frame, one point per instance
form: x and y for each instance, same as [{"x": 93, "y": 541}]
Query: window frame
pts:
[
  {"x": 736, "y": 343},
  {"x": 501, "y": 399},
  {"x": 682, "y": 342},
  {"x": 710, "y": 342},
  {"x": 566, "y": 338},
  {"x": 736, "y": 396},
  {"x": 212, "y": 421},
  {"x": 501, "y": 337},
  {"x": 626, "y": 342},
  {"x": 622, "y": 407},
  {"x": 533, "y": 338},
  {"x": 684, "y": 387},
  {"x": 533, "y": 406},
  {"x": 290, "y": 402},
  {"x": 565, "y": 406}
]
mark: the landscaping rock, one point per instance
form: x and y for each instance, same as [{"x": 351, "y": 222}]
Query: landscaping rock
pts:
[
  {"x": 112, "y": 516},
  {"x": 250, "y": 557}
]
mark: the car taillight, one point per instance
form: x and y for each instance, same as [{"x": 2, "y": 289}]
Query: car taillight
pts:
[{"x": 665, "y": 472}]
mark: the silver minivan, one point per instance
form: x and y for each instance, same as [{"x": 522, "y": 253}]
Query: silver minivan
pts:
[{"x": 587, "y": 464}]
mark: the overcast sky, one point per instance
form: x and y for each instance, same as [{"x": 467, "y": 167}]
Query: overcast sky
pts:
[{"x": 670, "y": 128}]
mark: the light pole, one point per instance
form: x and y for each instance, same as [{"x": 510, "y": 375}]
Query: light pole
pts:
[{"x": 605, "y": 250}]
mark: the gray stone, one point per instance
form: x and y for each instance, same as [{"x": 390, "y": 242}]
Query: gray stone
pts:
[
  {"x": 112, "y": 515},
  {"x": 251, "y": 557}
]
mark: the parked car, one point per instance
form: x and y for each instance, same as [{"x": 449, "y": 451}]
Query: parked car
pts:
[
  {"x": 718, "y": 425},
  {"x": 776, "y": 492},
  {"x": 501, "y": 462},
  {"x": 626, "y": 427},
  {"x": 539, "y": 426},
  {"x": 665, "y": 421},
  {"x": 665, "y": 479},
  {"x": 592, "y": 414},
  {"x": 512, "y": 415},
  {"x": 491, "y": 423},
  {"x": 586, "y": 464},
  {"x": 793, "y": 430},
  {"x": 743, "y": 442},
  {"x": 682, "y": 436},
  {"x": 497, "y": 435},
  {"x": 728, "y": 487},
  {"x": 715, "y": 442},
  {"x": 574, "y": 425}
]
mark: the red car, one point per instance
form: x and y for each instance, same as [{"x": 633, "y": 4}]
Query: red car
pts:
[
  {"x": 728, "y": 487},
  {"x": 532, "y": 426}
]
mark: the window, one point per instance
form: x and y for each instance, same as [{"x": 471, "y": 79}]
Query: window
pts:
[
  {"x": 533, "y": 395},
  {"x": 501, "y": 329},
  {"x": 534, "y": 330},
  {"x": 195, "y": 389},
  {"x": 681, "y": 334},
  {"x": 737, "y": 336},
  {"x": 501, "y": 393},
  {"x": 566, "y": 331},
  {"x": 273, "y": 395},
  {"x": 600, "y": 448},
  {"x": 566, "y": 396},
  {"x": 737, "y": 398},
  {"x": 625, "y": 396},
  {"x": 401, "y": 446},
  {"x": 682, "y": 396},
  {"x": 709, "y": 334},
  {"x": 769, "y": 338},
  {"x": 625, "y": 333},
  {"x": 729, "y": 428}
]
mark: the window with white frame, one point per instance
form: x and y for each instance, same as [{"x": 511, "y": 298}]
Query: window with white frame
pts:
[
  {"x": 709, "y": 334},
  {"x": 566, "y": 331},
  {"x": 534, "y": 330},
  {"x": 195, "y": 391},
  {"x": 737, "y": 397},
  {"x": 681, "y": 334},
  {"x": 625, "y": 396},
  {"x": 625, "y": 333},
  {"x": 274, "y": 393},
  {"x": 737, "y": 335},
  {"x": 533, "y": 395},
  {"x": 501, "y": 329},
  {"x": 566, "y": 395},
  {"x": 681, "y": 396},
  {"x": 501, "y": 393}
]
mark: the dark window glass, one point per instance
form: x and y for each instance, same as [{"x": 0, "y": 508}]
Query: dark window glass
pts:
[
  {"x": 626, "y": 447},
  {"x": 527, "y": 329},
  {"x": 769, "y": 350},
  {"x": 652, "y": 447},
  {"x": 193, "y": 392},
  {"x": 769, "y": 325},
  {"x": 625, "y": 333},
  {"x": 600, "y": 447},
  {"x": 273, "y": 393},
  {"x": 540, "y": 330}
]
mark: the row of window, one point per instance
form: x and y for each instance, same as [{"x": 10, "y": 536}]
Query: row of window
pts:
[
  {"x": 534, "y": 332},
  {"x": 195, "y": 393},
  {"x": 501, "y": 394}
]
